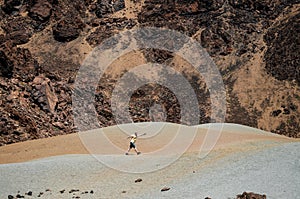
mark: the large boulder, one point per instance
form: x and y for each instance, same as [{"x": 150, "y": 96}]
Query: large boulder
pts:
[
  {"x": 68, "y": 29},
  {"x": 41, "y": 10}
]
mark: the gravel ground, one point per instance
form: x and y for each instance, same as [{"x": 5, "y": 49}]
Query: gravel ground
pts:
[
  {"x": 270, "y": 167},
  {"x": 274, "y": 172}
]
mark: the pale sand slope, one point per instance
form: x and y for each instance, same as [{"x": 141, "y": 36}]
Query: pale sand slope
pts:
[{"x": 243, "y": 159}]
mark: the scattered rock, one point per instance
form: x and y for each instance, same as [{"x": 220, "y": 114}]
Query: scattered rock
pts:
[
  {"x": 165, "y": 189},
  {"x": 73, "y": 190},
  {"x": 19, "y": 196},
  {"x": 29, "y": 193},
  {"x": 138, "y": 180},
  {"x": 10, "y": 197},
  {"x": 276, "y": 113},
  {"x": 251, "y": 195},
  {"x": 40, "y": 194}
]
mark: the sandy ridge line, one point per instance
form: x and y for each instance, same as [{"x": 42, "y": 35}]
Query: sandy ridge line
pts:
[{"x": 71, "y": 144}]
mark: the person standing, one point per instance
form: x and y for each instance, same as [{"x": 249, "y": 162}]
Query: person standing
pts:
[{"x": 133, "y": 139}]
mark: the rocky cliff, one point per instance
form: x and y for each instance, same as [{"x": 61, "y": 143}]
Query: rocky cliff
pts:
[{"x": 254, "y": 43}]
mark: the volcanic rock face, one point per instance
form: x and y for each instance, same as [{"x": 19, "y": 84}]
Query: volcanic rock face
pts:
[
  {"x": 282, "y": 56},
  {"x": 254, "y": 44}
]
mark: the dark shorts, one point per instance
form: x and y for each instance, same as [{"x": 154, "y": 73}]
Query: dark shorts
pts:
[{"x": 132, "y": 145}]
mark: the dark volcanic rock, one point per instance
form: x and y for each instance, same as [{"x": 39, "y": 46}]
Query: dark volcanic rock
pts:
[
  {"x": 19, "y": 61},
  {"x": 217, "y": 39},
  {"x": 19, "y": 196},
  {"x": 10, "y": 6},
  {"x": 107, "y": 28},
  {"x": 165, "y": 189},
  {"x": 29, "y": 193},
  {"x": 104, "y": 7},
  {"x": 265, "y": 8},
  {"x": 73, "y": 190},
  {"x": 10, "y": 197},
  {"x": 282, "y": 56},
  {"x": 157, "y": 56},
  {"x": 251, "y": 195},
  {"x": 6, "y": 66},
  {"x": 41, "y": 10},
  {"x": 118, "y": 5},
  {"x": 18, "y": 29},
  {"x": 138, "y": 180},
  {"x": 68, "y": 29}
]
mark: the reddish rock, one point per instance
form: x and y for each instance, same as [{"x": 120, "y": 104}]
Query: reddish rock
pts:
[
  {"x": 41, "y": 10},
  {"x": 58, "y": 124},
  {"x": 68, "y": 29},
  {"x": 44, "y": 94},
  {"x": 50, "y": 96},
  {"x": 13, "y": 95}
]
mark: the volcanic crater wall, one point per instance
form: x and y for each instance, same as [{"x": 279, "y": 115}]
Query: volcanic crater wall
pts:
[{"x": 254, "y": 43}]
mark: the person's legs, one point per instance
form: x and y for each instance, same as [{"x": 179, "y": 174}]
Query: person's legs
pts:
[
  {"x": 137, "y": 151},
  {"x": 130, "y": 146}
]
